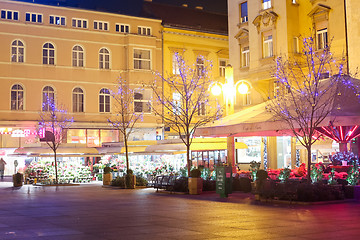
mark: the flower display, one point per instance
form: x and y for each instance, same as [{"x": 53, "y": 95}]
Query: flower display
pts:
[{"x": 338, "y": 158}]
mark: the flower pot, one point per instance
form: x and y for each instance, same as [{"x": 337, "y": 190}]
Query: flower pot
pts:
[
  {"x": 18, "y": 179},
  {"x": 107, "y": 177},
  {"x": 195, "y": 185}
]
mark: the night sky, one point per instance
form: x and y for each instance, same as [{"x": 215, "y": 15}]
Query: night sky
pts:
[{"x": 133, "y": 7}]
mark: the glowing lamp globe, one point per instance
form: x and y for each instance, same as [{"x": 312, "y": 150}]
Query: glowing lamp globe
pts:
[
  {"x": 216, "y": 90},
  {"x": 243, "y": 88}
]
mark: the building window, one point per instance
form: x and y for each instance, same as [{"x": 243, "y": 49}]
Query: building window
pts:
[
  {"x": 142, "y": 101},
  {"x": 222, "y": 66},
  {"x": 48, "y": 54},
  {"x": 78, "y": 56},
  {"x": 142, "y": 59},
  {"x": 246, "y": 99},
  {"x": 104, "y": 100},
  {"x": 57, "y": 20},
  {"x": 78, "y": 100},
  {"x": 267, "y": 46},
  {"x": 243, "y": 12},
  {"x": 17, "y": 51},
  {"x": 100, "y": 25},
  {"x": 296, "y": 47},
  {"x": 122, "y": 28},
  {"x": 33, "y": 17},
  {"x": 200, "y": 66},
  {"x": 177, "y": 103},
  {"x": 48, "y": 98},
  {"x": 144, "y": 30},
  {"x": 322, "y": 38},
  {"x": 176, "y": 63},
  {"x": 9, "y": 15},
  {"x": 79, "y": 23},
  {"x": 201, "y": 109},
  {"x": 245, "y": 56},
  {"x": 266, "y": 4},
  {"x": 17, "y": 97},
  {"x": 104, "y": 59}
]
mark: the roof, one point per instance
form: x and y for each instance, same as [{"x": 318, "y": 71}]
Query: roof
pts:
[{"x": 186, "y": 18}]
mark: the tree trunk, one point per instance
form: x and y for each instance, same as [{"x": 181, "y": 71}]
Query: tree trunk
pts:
[
  {"x": 126, "y": 155},
  {"x": 308, "y": 148},
  {"x": 56, "y": 173},
  {"x": 188, "y": 159}
]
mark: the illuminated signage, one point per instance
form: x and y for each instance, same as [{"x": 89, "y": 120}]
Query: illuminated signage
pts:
[{"x": 22, "y": 132}]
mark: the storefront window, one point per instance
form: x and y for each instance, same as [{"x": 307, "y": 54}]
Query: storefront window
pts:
[
  {"x": 283, "y": 151},
  {"x": 76, "y": 136},
  {"x": 252, "y": 153}
]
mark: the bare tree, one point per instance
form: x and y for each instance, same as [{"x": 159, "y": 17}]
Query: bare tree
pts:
[
  {"x": 306, "y": 90},
  {"x": 55, "y": 121},
  {"x": 185, "y": 100},
  {"x": 126, "y": 113}
]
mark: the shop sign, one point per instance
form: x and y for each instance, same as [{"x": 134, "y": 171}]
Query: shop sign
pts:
[{"x": 21, "y": 132}]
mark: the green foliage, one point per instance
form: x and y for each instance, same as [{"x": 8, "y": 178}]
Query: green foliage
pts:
[
  {"x": 332, "y": 180},
  {"x": 183, "y": 172},
  {"x": 129, "y": 180},
  {"x": 195, "y": 173},
  {"x": 118, "y": 181},
  {"x": 284, "y": 174},
  {"x": 207, "y": 174},
  {"x": 353, "y": 174},
  {"x": 316, "y": 173},
  {"x": 254, "y": 167},
  {"x": 140, "y": 181},
  {"x": 107, "y": 170}
]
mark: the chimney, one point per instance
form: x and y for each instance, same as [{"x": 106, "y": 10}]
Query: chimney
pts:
[
  {"x": 185, "y": 5},
  {"x": 199, "y": 7}
]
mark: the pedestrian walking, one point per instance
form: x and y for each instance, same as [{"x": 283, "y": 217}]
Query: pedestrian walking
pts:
[{"x": 2, "y": 168}]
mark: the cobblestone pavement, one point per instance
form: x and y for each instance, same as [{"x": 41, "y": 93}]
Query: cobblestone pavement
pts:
[{"x": 90, "y": 211}]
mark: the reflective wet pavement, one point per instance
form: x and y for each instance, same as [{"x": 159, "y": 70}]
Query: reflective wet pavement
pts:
[{"x": 92, "y": 212}]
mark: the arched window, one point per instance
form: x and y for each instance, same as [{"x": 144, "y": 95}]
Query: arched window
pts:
[
  {"x": 77, "y": 56},
  {"x": 17, "y": 51},
  {"x": 104, "y": 100},
  {"x": 78, "y": 100},
  {"x": 104, "y": 59},
  {"x": 17, "y": 97},
  {"x": 48, "y": 54},
  {"x": 48, "y": 98}
]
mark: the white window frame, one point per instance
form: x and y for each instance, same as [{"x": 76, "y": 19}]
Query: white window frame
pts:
[
  {"x": 266, "y": 4},
  {"x": 246, "y": 99},
  {"x": 140, "y": 60},
  {"x": 19, "y": 97},
  {"x": 101, "y": 25},
  {"x": 104, "y": 63},
  {"x": 78, "y": 100},
  {"x": 144, "y": 101},
  {"x": 57, "y": 20},
  {"x": 107, "y": 100},
  {"x": 222, "y": 67},
  {"x": 244, "y": 19},
  {"x": 143, "y": 30},
  {"x": 31, "y": 15},
  {"x": 48, "y": 56},
  {"x": 79, "y": 23},
  {"x": 17, "y": 56},
  {"x": 77, "y": 56},
  {"x": 12, "y": 13},
  {"x": 118, "y": 27},
  {"x": 175, "y": 64},
  {"x": 200, "y": 66},
  {"x": 202, "y": 108},
  {"x": 322, "y": 38},
  {"x": 268, "y": 46},
  {"x": 245, "y": 56},
  {"x": 177, "y": 103}
]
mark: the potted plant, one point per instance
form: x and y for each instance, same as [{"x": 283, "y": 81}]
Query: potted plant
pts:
[
  {"x": 107, "y": 176},
  {"x": 130, "y": 179},
  {"x": 195, "y": 182},
  {"x": 18, "y": 179}
]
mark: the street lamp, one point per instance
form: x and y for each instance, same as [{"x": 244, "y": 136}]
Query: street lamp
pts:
[{"x": 229, "y": 89}]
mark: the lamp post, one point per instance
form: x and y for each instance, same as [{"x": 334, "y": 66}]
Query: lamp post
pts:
[{"x": 229, "y": 89}]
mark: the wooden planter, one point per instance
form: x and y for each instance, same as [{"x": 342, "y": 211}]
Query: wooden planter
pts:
[
  {"x": 107, "y": 177},
  {"x": 195, "y": 185}
]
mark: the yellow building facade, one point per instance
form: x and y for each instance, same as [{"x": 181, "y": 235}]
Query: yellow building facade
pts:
[{"x": 74, "y": 56}]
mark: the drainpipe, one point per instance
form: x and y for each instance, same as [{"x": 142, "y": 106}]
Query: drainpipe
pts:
[{"x": 346, "y": 41}]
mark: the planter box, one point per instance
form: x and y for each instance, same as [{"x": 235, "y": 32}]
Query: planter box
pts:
[
  {"x": 107, "y": 177},
  {"x": 195, "y": 185},
  {"x": 357, "y": 192}
]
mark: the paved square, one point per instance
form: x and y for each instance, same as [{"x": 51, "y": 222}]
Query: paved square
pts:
[{"x": 92, "y": 212}]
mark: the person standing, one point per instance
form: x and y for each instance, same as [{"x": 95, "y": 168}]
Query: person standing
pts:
[{"x": 2, "y": 168}]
